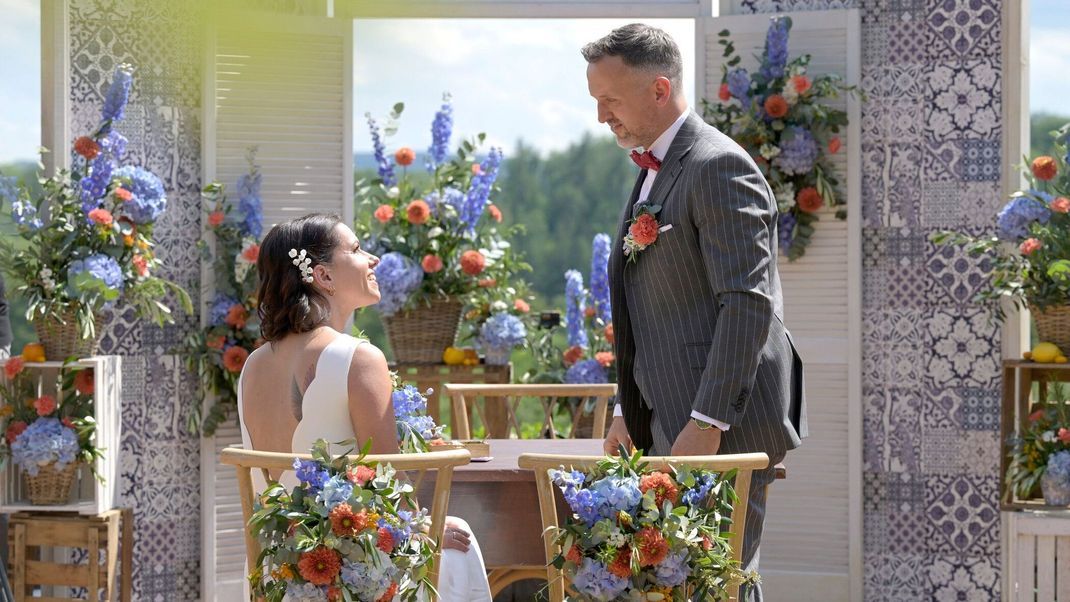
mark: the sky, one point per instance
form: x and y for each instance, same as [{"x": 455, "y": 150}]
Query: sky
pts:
[{"x": 513, "y": 79}]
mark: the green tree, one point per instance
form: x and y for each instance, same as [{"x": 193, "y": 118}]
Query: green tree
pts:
[
  {"x": 22, "y": 331},
  {"x": 1041, "y": 125}
]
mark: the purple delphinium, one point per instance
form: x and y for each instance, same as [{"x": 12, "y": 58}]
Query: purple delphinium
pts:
[
  {"x": 739, "y": 85},
  {"x": 148, "y": 201},
  {"x": 786, "y": 231},
  {"x": 775, "y": 57},
  {"x": 575, "y": 303},
  {"x": 311, "y": 474},
  {"x": 9, "y": 189},
  {"x": 118, "y": 94},
  {"x": 586, "y": 372},
  {"x": 1012, "y": 222},
  {"x": 252, "y": 223},
  {"x": 441, "y": 130},
  {"x": 595, "y": 580},
  {"x": 385, "y": 164},
  {"x": 696, "y": 496},
  {"x": 398, "y": 276},
  {"x": 478, "y": 196},
  {"x": 24, "y": 214},
  {"x": 95, "y": 184},
  {"x": 798, "y": 151},
  {"x": 600, "y": 276}
]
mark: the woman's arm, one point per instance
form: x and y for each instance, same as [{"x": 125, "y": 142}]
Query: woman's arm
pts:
[{"x": 370, "y": 408}]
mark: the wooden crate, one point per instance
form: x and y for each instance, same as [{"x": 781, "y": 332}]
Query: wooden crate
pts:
[
  {"x": 89, "y": 496},
  {"x": 33, "y": 537},
  {"x": 1024, "y": 383},
  {"x": 1038, "y": 556}
]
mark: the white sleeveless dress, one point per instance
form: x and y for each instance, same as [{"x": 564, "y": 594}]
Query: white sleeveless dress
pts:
[{"x": 325, "y": 415}]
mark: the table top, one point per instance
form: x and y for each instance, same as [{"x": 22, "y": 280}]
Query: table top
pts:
[{"x": 505, "y": 452}]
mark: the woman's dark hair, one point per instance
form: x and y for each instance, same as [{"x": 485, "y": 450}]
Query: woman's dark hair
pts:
[{"x": 287, "y": 304}]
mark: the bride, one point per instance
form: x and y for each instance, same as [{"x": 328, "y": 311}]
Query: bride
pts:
[{"x": 313, "y": 381}]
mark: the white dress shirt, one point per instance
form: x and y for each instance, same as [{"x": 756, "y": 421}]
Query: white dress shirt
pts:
[{"x": 659, "y": 149}]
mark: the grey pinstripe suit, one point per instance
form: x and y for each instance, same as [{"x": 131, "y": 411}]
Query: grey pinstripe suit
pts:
[{"x": 698, "y": 316}]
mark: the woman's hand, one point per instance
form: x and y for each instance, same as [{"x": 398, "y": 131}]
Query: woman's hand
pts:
[{"x": 456, "y": 535}]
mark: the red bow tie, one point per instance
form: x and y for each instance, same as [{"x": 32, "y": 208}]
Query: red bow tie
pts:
[{"x": 646, "y": 160}]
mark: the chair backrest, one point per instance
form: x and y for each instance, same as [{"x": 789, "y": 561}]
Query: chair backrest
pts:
[
  {"x": 443, "y": 462},
  {"x": 745, "y": 464},
  {"x": 463, "y": 396}
]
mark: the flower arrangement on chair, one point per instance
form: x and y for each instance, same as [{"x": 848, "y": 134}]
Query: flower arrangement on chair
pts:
[
  {"x": 89, "y": 238},
  {"x": 637, "y": 534},
  {"x": 781, "y": 117},
  {"x": 1045, "y": 434},
  {"x": 438, "y": 238},
  {"x": 47, "y": 438},
  {"x": 345, "y": 532},
  {"x": 219, "y": 352},
  {"x": 417, "y": 431},
  {"x": 1028, "y": 252}
]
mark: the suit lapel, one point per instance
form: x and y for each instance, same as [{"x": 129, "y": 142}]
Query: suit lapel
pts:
[
  {"x": 616, "y": 256},
  {"x": 673, "y": 164}
]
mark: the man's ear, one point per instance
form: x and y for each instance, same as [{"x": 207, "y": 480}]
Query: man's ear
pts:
[{"x": 662, "y": 91}]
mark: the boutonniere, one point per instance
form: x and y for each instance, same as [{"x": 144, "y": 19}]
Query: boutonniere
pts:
[{"x": 643, "y": 230}]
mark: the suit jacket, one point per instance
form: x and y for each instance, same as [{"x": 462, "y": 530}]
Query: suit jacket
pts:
[{"x": 698, "y": 315}]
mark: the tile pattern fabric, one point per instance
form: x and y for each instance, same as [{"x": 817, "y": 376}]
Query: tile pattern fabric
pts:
[
  {"x": 160, "y": 459},
  {"x": 931, "y": 157}
]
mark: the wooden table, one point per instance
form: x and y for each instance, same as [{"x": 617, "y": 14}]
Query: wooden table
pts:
[{"x": 499, "y": 501}]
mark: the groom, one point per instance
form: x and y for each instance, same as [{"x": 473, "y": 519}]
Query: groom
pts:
[{"x": 705, "y": 363}]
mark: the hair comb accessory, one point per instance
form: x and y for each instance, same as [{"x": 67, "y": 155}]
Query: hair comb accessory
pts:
[{"x": 303, "y": 263}]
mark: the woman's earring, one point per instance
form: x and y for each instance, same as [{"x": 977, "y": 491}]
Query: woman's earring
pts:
[{"x": 330, "y": 292}]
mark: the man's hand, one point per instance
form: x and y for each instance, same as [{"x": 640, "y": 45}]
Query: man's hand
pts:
[
  {"x": 693, "y": 441},
  {"x": 617, "y": 436}
]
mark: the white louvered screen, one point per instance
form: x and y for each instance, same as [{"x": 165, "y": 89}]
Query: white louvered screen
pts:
[
  {"x": 284, "y": 84},
  {"x": 812, "y": 529}
]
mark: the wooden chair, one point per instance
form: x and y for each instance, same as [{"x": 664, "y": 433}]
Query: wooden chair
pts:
[
  {"x": 463, "y": 397},
  {"x": 443, "y": 462},
  {"x": 746, "y": 464}
]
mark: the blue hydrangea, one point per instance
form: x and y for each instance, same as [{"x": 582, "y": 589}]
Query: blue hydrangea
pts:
[
  {"x": 600, "y": 247},
  {"x": 98, "y": 273},
  {"x": 369, "y": 580},
  {"x": 585, "y": 504},
  {"x": 441, "y": 130},
  {"x": 575, "y": 304},
  {"x": 775, "y": 57},
  {"x": 696, "y": 496},
  {"x": 118, "y": 94},
  {"x": 502, "y": 331},
  {"x": 738, "y": 81},
  {"x": 621, "y": 494},
  {"x": 305, "y": 592},
  {"x": 1012, "y": 222},
  {"x": 1059, "y": 466},
  {"x": 785, "y": 231},
  {"x": 478, "y": 196},
  {"x": 45, "y": 440},
  {"x": 586, "y": 372},
  {"x": 311, "y": 474},
  {"x": 335, "y": 491},
  {"x": 23, "y": 213},
  {"x": 672, "y": 571},
  {"x": 408, "y": 400},
  {"x": 798, "y": 151},
  {"x": 398, "y": 277},
  {"x": 422, "y": 424},
  {"x": 148, "y": 201},
  {"x": 384, "y": 164},
  {"x": 252, "y": 222},
  {"x": 595, "y": 580},
  {"x": 219, "y": 308},
  {"x": 400, "y": 534},
  {"x": 567, "y": 480}
]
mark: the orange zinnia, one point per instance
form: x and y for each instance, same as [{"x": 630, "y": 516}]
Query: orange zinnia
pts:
[
  {"x": 236, "y": 316},
  {"x": 216, "y": 218},
  {"x": 1045, "y": 168},
  {"x": 87, "y": 147},
  {"x": 622, "y": 563},
  {"x": 83, "y": 382},
  {"x": 521, "y": 306},
  {"x": 384, "y": 213},
  {"x": 431, "y": 263},
  {"x": 386, "y": 540},
  {"x": 652, "y": 546},
  {"x": 801, "y": 83},
  {"x": 574, "y": 554},
  {"x": 101, "y": 216},
  {"x": 609, "y": 334},
  {"x": 605, "y": 358},
  {"x": 13, "y": 367},
  {"x": 390, "y": 592},
  {"x": 405, "y": 156},
  {"x": 663, "y": 486},
  {"x": 573, "y": 354},
  {"x": 776, "y": 106},
  {"x": 809, "y": 199},
  {"x": 418, "y": 212},
  {"x": 123, "y": 194},
  {"x": 724, "y": 94},
  {"x": 495, "y": 212},
  {"x": 473, "y": 262},
  {"x": 345, "y": 522},
  {"x": 320, "y": 566},
  {"x": 234, "y": 359}
]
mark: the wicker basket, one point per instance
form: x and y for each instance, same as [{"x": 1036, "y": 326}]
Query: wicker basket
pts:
[
  {"x": 421, "y": 335},
  {"x": 1053, "y": 325},
  {"x": 63, "y": 338},
  {"x": 51, "y": 487}
]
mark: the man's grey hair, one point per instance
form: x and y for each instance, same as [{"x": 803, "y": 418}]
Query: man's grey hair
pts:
[{"x": 641, "y": 47}]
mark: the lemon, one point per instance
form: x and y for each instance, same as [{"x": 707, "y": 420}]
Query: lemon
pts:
[
  {"x": 1060, "y": 359},
  {"x": 453, "y": 356},
  {"x": 1045, "y": 353}
]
